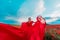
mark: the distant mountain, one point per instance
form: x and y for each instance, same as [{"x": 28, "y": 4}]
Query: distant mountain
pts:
[{"x": 56, "y": 22}]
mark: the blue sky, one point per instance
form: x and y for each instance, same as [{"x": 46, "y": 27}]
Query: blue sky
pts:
[{"x": 17, "y": 11}]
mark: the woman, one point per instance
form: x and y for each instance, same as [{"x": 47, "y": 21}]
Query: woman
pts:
[
  {"x": 39, "y": 29},
  {"x": 27, "y": 28}
]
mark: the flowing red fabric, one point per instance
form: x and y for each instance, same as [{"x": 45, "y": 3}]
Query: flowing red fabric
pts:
[{"x": 8, "y": 32}]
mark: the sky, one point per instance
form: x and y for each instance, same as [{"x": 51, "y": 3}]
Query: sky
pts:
[{"x": 17, "y": 11}]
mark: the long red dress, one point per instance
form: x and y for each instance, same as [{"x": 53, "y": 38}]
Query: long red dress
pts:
[
  {"x": 8, "y": 32},
  {"x": 38, "y": 31}
]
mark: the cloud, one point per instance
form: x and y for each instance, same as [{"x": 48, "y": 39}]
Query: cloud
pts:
[
  {"x": 10, "y": 18},
  {"x": 31, "y": 8},
  {"x": 40, "y": 8},
  {"x": 1, "y": 22},
  {"x": 20, "y": 20},
  {"x": 58, "y": 5},
  {"x": 55, "y": 15},
  {"x": 24, "y": 19},
  {"x": 23, "y": 11},
  {"x": 27, "y": 8},
  {"x": 51, "y": 20}
]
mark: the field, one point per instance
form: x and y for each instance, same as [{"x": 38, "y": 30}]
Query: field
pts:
[{"x": 52, "y": 32}]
